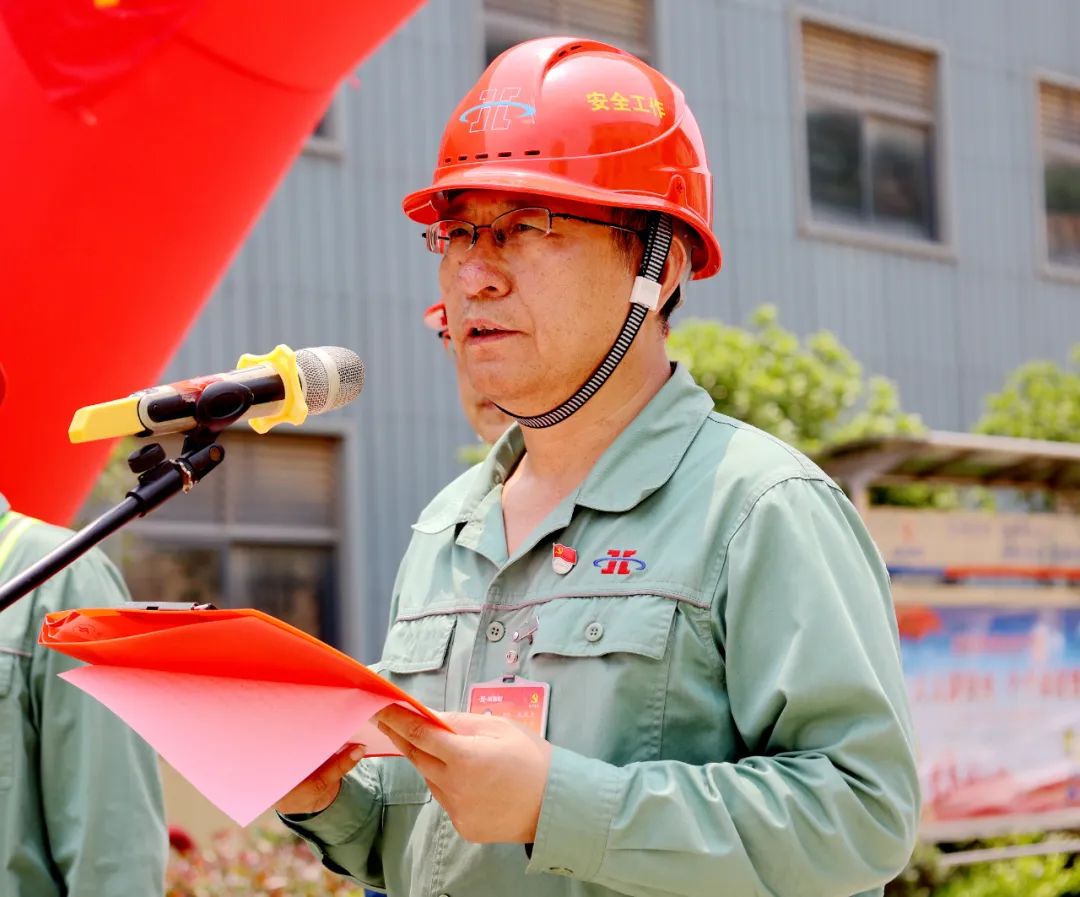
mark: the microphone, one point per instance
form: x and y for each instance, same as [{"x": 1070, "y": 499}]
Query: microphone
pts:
[{"x": 284, "y": 386}]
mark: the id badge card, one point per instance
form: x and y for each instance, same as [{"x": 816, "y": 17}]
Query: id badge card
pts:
[{"x": 521, "y": 700}]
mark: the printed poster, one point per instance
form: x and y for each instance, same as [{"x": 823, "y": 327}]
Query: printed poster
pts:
[{"x": 995, "y": 696}]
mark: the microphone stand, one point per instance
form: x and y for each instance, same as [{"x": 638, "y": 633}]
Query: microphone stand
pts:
[{"x": 160, "y": 478}]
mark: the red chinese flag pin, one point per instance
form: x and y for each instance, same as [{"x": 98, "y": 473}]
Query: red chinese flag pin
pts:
[{"x": 562, "y": 558}]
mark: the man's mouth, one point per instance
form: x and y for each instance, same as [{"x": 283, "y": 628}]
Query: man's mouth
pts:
[{"x": 482, "y": 333}]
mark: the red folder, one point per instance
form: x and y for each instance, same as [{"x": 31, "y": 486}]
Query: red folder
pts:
[{"x": 240, "y": 703}]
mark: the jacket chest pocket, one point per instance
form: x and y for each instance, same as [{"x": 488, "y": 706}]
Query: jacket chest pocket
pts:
[
  {"x": 607, "y": 661},
  {"x": 414, "y": 657}
]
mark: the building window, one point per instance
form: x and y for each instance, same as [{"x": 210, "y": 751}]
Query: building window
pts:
[
  {"x": 871, "y": 116},
  {"x": 625, "y": 23},
  {"x": 1059, "y": 125},
  {"x": 328, "y": 136},
  {"x": 260, "y": 531}
]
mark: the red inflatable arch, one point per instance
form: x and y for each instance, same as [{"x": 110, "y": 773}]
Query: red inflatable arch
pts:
[{"x": 141, "y": 139}]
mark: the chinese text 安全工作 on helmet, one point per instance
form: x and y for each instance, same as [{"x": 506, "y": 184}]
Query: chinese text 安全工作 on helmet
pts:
[{"x": 582, "y": 121}]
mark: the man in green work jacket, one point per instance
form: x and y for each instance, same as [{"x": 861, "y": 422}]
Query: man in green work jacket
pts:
[
  {"x": 673, "y": 632},
  {"x": 80, "y": 799}
]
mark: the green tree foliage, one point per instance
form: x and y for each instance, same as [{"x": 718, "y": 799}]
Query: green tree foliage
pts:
[
  {"x": 1049, "y": 875},
  {"x": 473, "y": 453},
  {"x": 1055, "y": 875},
  {"x": 1040, "y": 400},
  {"x": 809, "y": 393}
]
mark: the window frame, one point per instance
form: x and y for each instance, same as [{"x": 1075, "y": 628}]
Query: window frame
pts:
[
  {"x": 524, "y": 28},
  {"x": 228, "y": 533},
  {"x": 941, "y": 249},
  {"x": 1044, "y": 266}
]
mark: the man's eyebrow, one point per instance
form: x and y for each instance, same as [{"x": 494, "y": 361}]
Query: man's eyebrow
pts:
[
  {"x": 453, "y": 209},
  {"x": 459, "y": 212}
]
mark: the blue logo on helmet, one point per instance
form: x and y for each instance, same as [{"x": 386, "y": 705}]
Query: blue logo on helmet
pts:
[{"x": 527, "y": 111}]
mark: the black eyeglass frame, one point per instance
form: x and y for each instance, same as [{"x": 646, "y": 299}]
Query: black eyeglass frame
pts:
[{"x": 431, "y": 239}]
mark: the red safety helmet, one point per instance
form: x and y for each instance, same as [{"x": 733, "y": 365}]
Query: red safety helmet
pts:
[{"x": 583, "y": 121}]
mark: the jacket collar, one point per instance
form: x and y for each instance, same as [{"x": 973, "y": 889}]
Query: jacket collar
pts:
[
  {"x": 640, "y": 460},
  {"x": 646, "y": 453}
]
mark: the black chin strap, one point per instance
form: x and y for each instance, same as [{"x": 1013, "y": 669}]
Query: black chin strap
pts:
[{"x": 643, "y": 298}]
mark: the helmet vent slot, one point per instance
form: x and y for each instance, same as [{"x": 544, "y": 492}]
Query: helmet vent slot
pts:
[
  {"x": 505, "y": 155},
  {"x": 480, "y": 156},
  {"x": 532, "y": 152}
]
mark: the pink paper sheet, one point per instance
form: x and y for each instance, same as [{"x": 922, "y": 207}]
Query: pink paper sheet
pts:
[{"x": 244, "y": 743}]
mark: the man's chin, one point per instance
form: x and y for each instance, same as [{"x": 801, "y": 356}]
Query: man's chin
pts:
[
  {"x": 492, "y": 388},
  {"x": 505, "y": 392}
]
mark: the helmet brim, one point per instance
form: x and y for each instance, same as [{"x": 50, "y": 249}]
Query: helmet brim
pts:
[{"x": 426, "y": 206}]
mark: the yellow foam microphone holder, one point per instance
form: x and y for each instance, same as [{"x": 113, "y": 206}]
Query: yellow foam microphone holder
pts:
[
  {"x": 135, "y": 414},
  {"x": 294, "y": 409}
]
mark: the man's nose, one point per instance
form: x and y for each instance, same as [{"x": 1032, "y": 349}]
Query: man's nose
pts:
[{"x": 481, "y": 273}]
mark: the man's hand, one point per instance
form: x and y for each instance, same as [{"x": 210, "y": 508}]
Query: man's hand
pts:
[
  {"x": 318, "y": 790},
  {"x": 489, "y": 774}
]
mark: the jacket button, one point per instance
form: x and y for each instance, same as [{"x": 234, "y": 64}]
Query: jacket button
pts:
[
  {"x": 594, "y": 632},
  {"x": 495, "y": 631}
]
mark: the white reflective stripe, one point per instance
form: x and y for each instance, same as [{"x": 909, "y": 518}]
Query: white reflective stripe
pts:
[
  {"x": 12, "y": 536},
  {"x": 16, "y": 651}
]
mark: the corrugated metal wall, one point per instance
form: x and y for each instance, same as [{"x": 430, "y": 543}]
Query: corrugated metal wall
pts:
[
  {"x": 332, "y": 260},
  {"x": 946, "y": 331}
]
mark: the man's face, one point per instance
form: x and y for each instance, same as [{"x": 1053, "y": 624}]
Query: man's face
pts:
[{"x": 532, "y": 319}]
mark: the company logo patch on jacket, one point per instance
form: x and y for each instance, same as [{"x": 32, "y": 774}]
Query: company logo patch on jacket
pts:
[{"x": 620, "y": 561}]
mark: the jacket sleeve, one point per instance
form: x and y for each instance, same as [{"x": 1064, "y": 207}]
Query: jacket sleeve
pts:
[
  {"x": 825, "y": 799},
  {"x": 101, "y": 788},
  {"x": 346, "y": 835}
]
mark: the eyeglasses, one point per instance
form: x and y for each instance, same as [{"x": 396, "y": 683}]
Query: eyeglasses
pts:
[{"x": 516, "y": 227}]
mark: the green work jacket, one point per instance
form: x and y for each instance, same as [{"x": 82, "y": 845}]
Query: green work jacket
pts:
[
  {"x": 80, "y": 798},
  {"x": 727, "y": 704}
]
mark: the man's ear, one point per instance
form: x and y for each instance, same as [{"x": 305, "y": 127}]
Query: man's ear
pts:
[{"x": 675, "y": 270}]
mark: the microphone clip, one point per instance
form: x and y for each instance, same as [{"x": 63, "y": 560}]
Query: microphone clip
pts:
[
  {"x": 161, "y": 477},
  {"x": 219, "y": 405}
]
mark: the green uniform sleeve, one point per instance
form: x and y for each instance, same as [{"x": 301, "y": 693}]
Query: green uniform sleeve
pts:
[
  {"x": 826, "y": 799},
  {"x": 101, "y": 790},
  {"x": 346, "y": 835}
]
